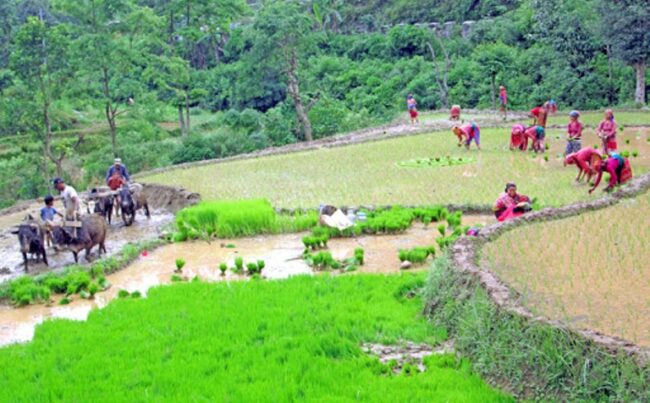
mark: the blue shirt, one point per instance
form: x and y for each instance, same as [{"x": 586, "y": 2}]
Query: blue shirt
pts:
[
  {"x": 48, "y": 213},
  {"x": 122, "y": 171}
]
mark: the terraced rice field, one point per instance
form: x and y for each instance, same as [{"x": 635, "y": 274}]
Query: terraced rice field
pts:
[
  {"x": 591, "y": 270},
  {"x": 369, "y": 173}
]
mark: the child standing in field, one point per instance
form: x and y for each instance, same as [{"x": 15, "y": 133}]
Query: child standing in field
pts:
[
  {"x": 607, "y": 132},
  {"x": 574, "y": 134},
  {"x": 503, "y": 101},
  {"x": 411, "y": 104},
  {"x": 47, "y": 216}
]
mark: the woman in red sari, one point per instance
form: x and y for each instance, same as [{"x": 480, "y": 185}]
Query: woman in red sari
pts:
[
  {"x": 619, "y": 170},
  {"x": 467, "y": 133},
  {"x": 455, "y": 112},
  {"x": 511, "y": 204},
  {"x": 588, "y": 160},
  {"x": 607, "y": 132}
]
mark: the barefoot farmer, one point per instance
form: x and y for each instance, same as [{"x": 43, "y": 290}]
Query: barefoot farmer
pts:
[
  {"x": 619, "y": 171},
  {"x": 467, "y": 133},
  {"x": 607, "y": 132},
  {"x": 574, "y": 134},
  {"x": 511, "y": 204},
  {"x": 72, "y": 204},
  {"x": 588, "y": 161},
  {"x": 411, "y": 104},
  {"x": 455, "y": 112}
]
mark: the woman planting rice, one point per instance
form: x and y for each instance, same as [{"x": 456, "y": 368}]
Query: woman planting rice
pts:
[
  {"x": 511, "y": 204},
  {"x": 467, "y": 133},
  {"x": 607, "y": 132},
  {"x": 619, "y": 170},
  {"x": 518, "y": 137},
  {"x": 411, "y": 104},
  {"x": 588, "y": 160},
  {"x": 574, "y": 134},
  {"x": 536, "y": 134},
  {"x": 539, "y": 115}
]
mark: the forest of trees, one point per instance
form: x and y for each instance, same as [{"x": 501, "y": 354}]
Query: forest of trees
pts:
[{"x": 82, "y": 81}]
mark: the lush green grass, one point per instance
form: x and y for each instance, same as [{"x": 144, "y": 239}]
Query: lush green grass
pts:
[
  {"x": 229, "y": 219},
  {"x": 290, "y": 340},
  {"x": 368, "y": 173},
  {"x": 536, "y": 361}
]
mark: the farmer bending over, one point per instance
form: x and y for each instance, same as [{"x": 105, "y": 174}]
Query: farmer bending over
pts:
[
  {"x": 619, "y": 171},
  {"x": 588, "y": 160},
  {"x": 467, "y": 133}
]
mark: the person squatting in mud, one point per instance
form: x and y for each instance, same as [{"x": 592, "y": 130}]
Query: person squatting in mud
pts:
[{"x": 511, "y": 204}]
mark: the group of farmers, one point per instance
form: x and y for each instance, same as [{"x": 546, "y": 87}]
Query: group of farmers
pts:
[
  {"x": 590, "y": 160},
  {"x": 117, "y": 175}
]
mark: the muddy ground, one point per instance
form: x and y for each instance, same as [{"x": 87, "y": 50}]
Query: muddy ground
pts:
[
  {"x": 164, "y": 201},
  {"x": 281, "y": 253}
]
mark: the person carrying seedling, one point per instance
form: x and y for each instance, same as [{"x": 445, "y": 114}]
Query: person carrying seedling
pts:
[
  {"x": 455, "y": 112},
  {"x": 588, "y": 160},
  {"x": 619, "y": 170},
  {"x": 411, "y": 104},
  {"x": 574, "y": 134},
  {"x": 467, "y": 133},
  {"x": 511, "y": 204},
  {"x": 607, "y": 132},
  {"x": 503, "y": 101}
]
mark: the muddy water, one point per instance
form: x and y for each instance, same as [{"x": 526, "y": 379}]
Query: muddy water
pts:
[
  {"x": 281, "y": 253},
  {"x": 11, "y": 260}
]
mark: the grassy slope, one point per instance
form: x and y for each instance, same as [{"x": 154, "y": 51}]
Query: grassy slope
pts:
[
  {"x": 246, "y": 341},
  {"x": 597, "y": 277},
  {"x": 367, "y": 173}
]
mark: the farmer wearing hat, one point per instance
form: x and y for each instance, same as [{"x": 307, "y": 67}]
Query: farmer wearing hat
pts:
[
  {"x": 574, "y": 134},
  {"x": 72, "y": 204}
]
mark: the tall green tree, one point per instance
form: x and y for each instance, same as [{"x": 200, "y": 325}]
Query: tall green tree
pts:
[
  {"x": 281, "y": 28},
  {"x": 109, "y": 52},
  {"x": 625, "y": 25},
  {"x": 40, "y": 59},
  {"x": 495, "y": 59}
]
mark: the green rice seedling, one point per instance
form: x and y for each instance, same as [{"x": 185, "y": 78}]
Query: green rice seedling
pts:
[
  {"x": 627, "y": 141},
  {"x": 251, "y": 268},
  {"x": 359, "y": 256},
  {"x": 97, "y": 269},
  {"x": 403, "y": 255},
  {"x": 226, "y": 219},
  {"x": 65, "y": 301},
  {"x": 180, "y": 263},
  {"x": 223, "y": 267},
  {"x": 426, "y": 220},
  {"x": 625, "y": 154},
  {"x": 93, "y": 288},
  {"x": 231, "y": 246},
  {"x": 635, "y": 153},
  {"x": 123, "y": 294},
  {"x": 77, "y": 280},
  {"x": 442, "y": 230},
  {"x": 239, "y": 264},
  {"x": 55, "y": 283},
  {"x": 84, "y": 294},
  {"x": 103, "y": 283},
  {"x": 176, "y": 278},
  {"x": 546, "y": 158},
  {"x": 547, "y": 147},
  {"x": 136, "y": 294},
  {"x": 350, "y": 268},
  {"x": 261, "y": 265},
  {"x": 415, "y": 255}
]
